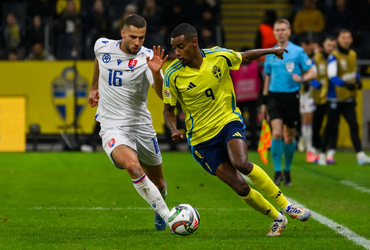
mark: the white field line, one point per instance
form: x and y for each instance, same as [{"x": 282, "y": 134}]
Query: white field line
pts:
[
  {"x": 127, "y": 208},
  {"x": 346, "y": 232},
  {"x": 355, "y": 186}
]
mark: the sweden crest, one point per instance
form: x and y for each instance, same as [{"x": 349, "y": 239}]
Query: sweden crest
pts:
[
  {"x": 217, "y": 72},
  {"x": 62, "y": 94}
]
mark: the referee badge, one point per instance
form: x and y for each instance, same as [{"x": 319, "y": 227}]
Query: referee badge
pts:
[{"x": 289, "y": 66}]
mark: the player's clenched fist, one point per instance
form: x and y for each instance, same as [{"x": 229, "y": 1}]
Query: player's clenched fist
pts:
[
  {"x": 177, "y": 136},
  {"x": 93, "y": 98}
]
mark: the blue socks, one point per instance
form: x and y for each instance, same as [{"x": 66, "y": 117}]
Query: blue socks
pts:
[
  {"x": 277, "y": 150},
  {"x": 289, "y": 149}
]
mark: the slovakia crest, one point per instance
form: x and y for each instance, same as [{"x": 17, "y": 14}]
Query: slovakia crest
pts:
[
  {"x": 132, "y": 64},
  {"x": 111, "y": 142}
]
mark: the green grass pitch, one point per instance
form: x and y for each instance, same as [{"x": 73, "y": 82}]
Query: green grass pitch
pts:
[{"x": 81, "y": 201}]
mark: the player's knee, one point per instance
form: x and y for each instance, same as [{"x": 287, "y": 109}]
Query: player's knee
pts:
[
  {"x": 243, "y": 190},
  {"x": 243, "y": 165},
  {"x": 277, "y": 134},
  {"x": 134, "y": 169}
]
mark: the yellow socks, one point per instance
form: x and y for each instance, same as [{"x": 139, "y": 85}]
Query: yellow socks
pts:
[
  {"x": 261, "y": 180},
  {"x": 257, "y": 202}
]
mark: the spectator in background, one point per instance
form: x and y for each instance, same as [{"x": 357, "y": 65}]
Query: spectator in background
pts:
[
  {"x": 61, "y": 6},
  {"x": 36, "y": 33},
  {"x": 362, "y": 13},
  {"x": 174, "y": 14},
  {"x": 207, "y": 30},
  {"x": 118, "y": 24},
  {"x": 309, "y": 19},
  {"x": 12, "y": 55},
  {"x": 97, "y": 25},
  {"x": 38, "y": 53},
  {"x": 340, "y": 18},
  {"x": 43, "y": 8},
  {"x": 205, "y": 5},
  {"x": 11, "y": 34},
  {"x": 155, "y": 30},
  {"x": 68, "y": 28},
  {"x": 247, "y": 86},
  {"x": 265, "y": 35}
]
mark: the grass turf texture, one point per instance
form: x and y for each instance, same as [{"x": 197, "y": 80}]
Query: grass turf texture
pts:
[{"x": 46, "y": 198}]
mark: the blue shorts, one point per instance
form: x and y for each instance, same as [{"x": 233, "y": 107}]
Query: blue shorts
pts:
[{"x": 210, "y": 154}]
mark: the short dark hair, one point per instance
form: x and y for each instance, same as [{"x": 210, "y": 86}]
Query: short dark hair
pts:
[
  {"x": 184, "y": 29},
  {"x": 134, "y": 20},
  {"x": 306, "y": 40},
  {"x": 344, "y": 31},
  {"x": 331, "y": 38}
]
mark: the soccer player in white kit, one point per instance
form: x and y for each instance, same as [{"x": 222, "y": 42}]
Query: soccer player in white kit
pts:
[{"x": 123, "y": 72}]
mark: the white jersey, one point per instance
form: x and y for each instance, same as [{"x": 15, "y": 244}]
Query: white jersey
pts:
[{"x": 124, "y": 80}]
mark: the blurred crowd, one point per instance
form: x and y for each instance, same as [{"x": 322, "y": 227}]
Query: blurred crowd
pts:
[
  {"x": 68, "y": 29},
  {"x": 317, "y": 19}
]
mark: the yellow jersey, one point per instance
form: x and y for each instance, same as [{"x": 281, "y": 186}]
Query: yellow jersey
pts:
[
  {"x": 319, "y": 95},
  {"x": 206, "y": 95}
]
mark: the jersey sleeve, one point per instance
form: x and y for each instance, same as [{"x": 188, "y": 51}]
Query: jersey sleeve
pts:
[
  {"x": 100, "y": 43},
  {"x": 332, "y": 68},
  {"x": 234, "y": 59},
  {"x": 169, "y": 88},
  {"x": 304, "y": 61},
  {"x": 267, "y": 65}
]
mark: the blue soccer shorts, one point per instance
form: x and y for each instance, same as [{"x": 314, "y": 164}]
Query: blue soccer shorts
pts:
[{"x": 210, "y": 154}]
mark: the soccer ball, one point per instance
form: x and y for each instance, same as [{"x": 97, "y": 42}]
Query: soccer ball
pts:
[{"x": 184, "y": 219}]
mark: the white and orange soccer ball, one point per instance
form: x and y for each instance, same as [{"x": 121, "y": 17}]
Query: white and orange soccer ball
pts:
[{"x": 184, "y": 219}]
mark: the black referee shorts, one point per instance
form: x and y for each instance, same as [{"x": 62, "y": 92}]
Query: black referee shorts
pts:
[{"x": 284, "y": 106}]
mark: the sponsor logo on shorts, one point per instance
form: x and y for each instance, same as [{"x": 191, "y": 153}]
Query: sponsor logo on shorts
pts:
[
  {"x": 237, "y": 134},
  {"x": 111, "y": 142}
]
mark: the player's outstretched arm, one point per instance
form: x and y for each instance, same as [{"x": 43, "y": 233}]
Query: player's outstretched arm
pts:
[
  {"x": 308, "y": 76},
  {"x": 250, "y": 55},
  {"x": 155, "y": 65},
  {"x": 93, "y": 99},
  {"x": 170, "y": 119}
]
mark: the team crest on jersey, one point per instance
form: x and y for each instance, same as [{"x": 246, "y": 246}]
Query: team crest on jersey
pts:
[
  {"x": 106, "y": 58},
  {"x": 217, "y": 72},
  {"x": 132, "y": 63},
  {"x": 289, "y": 66},
  {"x": 111, "y": 142},
  {"x": 62, "y": 94}
]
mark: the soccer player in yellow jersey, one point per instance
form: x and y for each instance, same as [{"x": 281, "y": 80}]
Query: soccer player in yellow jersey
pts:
[{"x": 199, "y": 79}]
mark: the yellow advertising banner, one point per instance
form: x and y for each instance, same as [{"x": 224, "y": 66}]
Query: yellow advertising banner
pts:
[
  {"x": 48, "y": 89},
  {"x": 12, "y": 124}
]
